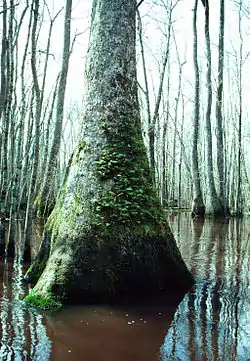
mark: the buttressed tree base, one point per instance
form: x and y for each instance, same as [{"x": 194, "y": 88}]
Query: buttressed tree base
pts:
[{"x": 107, "y": 237}]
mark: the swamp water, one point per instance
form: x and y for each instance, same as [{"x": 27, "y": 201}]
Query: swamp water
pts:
[{"x": 211, "y": 323}]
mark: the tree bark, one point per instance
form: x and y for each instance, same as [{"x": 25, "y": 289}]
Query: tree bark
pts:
[
  {"x": 198, "y": 208},
  {"x": 45, "y": 200},
  {"x": 238, "y": 197},
  {"x": 155, "y": 117},
  {"x": 219, "y": 117},
  {"x": 107, "y": 236},
  {"x": 213, "y": 204}
]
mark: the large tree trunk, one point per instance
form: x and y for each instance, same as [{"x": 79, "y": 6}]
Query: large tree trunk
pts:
[{"x": 107, "y": 235}]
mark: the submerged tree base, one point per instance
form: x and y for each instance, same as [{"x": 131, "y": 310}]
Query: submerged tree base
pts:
[
  {"x": 111, "y": 267},
  {"x": 198, "y": 208}
]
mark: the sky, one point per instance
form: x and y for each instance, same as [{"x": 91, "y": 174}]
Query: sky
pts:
[{"x": 153, "y": 19}]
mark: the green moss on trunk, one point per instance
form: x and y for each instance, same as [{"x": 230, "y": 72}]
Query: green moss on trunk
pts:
[
  {"x": 108, "y": 265},
  {"x": 43, "y": 303},
  {"x": 37, "y": 267}
]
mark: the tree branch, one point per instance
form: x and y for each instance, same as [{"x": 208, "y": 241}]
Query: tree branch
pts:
[{"x": 140, "y": 2}]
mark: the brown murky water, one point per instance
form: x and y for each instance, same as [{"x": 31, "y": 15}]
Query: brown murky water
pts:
[{"x": 211, "y": 323}]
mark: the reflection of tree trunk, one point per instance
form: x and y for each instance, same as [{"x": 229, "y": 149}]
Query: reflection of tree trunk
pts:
[
  {"x": 38, "y": 337},
  {"x": 18, "y": 311},
  {"x": 175, "y": 333},
  {"x": 215, "y": 296},
  {"x": 236, "y": 288},
  {"x": 191, "y": 326},
  {"x": 5, "y": 350},
  {"x": 205, "y": 307},
  {"x": 198, "y": 225},
  {"x": 215, "y": 311},
  {"x": 197, "y": 204},
  {"x": 203, "y": 322}
]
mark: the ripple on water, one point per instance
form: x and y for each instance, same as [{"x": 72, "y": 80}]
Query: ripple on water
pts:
[{"x": 210, "y": 323}]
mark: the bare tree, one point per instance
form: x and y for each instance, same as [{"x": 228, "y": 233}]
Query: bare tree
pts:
[
  {"x": 198, "y": 207},
  {"x": 238, "y": 198},
  {"x": 46, "y": 198},
  {"x": 213, "y": 204},
  {"x": 219, "y": 116}
]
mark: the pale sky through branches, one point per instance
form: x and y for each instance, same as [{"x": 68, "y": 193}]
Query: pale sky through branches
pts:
[{"x": 154, "y": 19}]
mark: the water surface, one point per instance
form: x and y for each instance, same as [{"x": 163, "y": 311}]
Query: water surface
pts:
[{"x": 211, "y": 322}]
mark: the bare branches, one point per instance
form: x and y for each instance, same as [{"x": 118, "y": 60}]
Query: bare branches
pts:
[
  {"x": 2, "y": 11},
  {"x": 140, "y": 2},
  {"x": 244, "y": 9}
]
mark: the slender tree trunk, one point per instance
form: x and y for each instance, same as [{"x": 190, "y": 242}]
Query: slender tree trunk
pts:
[
  {"x": 3, "y": 106},
  {"x": 7, "y": 124},
  {"x": 3, "y": 58},
  {"x": 165, "y": 175},
  {"x": 181, "y": 156},
  {"x": 177, "y": 102},
  {"x": 219, "y": 116},
  {"x": 46, "y": 198},
  {"x": 107, "y": 235},
  {"x": 198, "y": 204},
  {"x": 233, "y": 174},
  {"x": 47, "y": 130},
  {"x": 144, "y": 69},
  {"x": 151, "y": 129},
  {"x": 238, "y": 198},
  {"x": 213, "y": 205},
  {"x": 38, "y": 109}
]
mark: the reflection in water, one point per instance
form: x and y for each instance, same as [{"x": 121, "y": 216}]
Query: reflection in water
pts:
[
  {"x": 23, "y": 333},
  {"x": 211, "y": 323}
]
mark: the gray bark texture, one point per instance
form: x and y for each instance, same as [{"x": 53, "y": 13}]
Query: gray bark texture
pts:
[
  {"x": 45, "y": 200},
  {"x": 219, "y": 114},
  {"x": 213, "y": 203},
  {"x": 107, "y": 236},
  {"x": 198, "y": 208}
]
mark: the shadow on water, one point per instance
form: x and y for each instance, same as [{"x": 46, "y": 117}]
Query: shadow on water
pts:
[{"x": 210, "y": 324}]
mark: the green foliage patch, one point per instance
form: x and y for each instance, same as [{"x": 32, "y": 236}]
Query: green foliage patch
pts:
[
  {"x": 131, "y": 196},
  {"x": 43, "y": 303}
]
